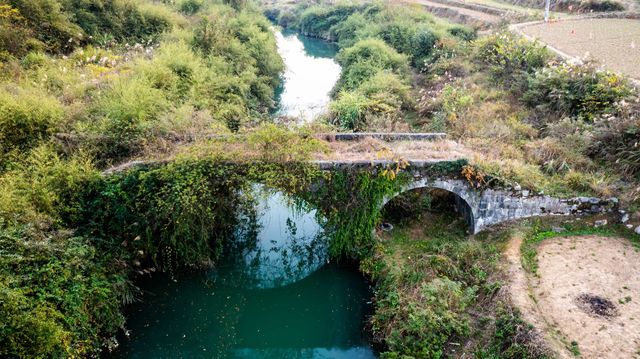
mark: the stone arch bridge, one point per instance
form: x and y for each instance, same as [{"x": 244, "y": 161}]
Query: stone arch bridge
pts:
[{"x": 481, "y": 207}]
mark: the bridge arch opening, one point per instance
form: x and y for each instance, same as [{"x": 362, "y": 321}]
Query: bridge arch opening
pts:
[{"x": 428, "y": 204}]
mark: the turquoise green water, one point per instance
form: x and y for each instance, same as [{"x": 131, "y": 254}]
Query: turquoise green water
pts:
[
  {"x": 274, "y": 295},
  {"x": 310, "y": 74}
]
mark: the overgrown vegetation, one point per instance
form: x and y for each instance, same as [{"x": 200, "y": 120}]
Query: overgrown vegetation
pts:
[
  {"x": 87, "y": 83},
  {"x": 144, "y": 87},
  {"x": 534, "y": 121},
  {"x": 59, "y": 296},
  {"x": 63, "y": 25},
  {"x": 539, "y": 122},
  {"x": 431, "y": 276},
  {"x": 380, "y": 48}
]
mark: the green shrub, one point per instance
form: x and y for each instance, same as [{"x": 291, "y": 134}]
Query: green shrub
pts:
[
  {"x": 121, "y": 19},
  {"x": 366, "y": 58},
  {"x": 388, "y": 88},
  {"x": 286, "y": 19},
  {"x": 356, "y": 27},
  {"x": 191, "y": 7},
  {"x": 255, "y": 34},
  {"x": 510, "y": 58},
  {"x": 423, "y": 45},
  {"x": 126, "y": 114},
  {"x": 174, "y": 69},
  {"x": 424, "y": 325},
  {"x": 399, "y": 34},
  {"x": 33, "y": 60},
  {"x": 170, "y": 216},
  {"x": 318, "y": 20},
  {"x": 350, "y": 109},
  {"x": 463, "y": 32},
  {"x": 58, "y": 296},
  {"x": 212, "y": 32},
  {"x": 26, "y": 117},
  {"x": 50, "y": 24},
  {"x": 16, "y": 38},
  {"x": 575, "y": 90},
  {"x": 277, "y": 144},
  {"x": 62, "y": 25},
  {"x": 41, "y": 188},
  {"x": 243, "y": 65}
]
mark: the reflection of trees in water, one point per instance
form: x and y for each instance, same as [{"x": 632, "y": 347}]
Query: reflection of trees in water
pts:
[{"x": 278, "y": 252}]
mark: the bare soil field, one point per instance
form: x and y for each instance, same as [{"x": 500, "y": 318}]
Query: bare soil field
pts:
[
  {"x": 614, "y": 43},
  {"x": 588, "y": 292}
]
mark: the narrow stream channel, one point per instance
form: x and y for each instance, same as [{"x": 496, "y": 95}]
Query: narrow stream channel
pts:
[
  {"x": 311, "y": 72},
  {"x": 275, "y": 293}
]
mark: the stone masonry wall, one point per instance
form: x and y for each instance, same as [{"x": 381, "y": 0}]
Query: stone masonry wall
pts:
[{"x": 492, "y": 206}]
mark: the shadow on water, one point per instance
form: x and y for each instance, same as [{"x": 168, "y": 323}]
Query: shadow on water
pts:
[
  {"x": 313, "y": 46},
  {"x": 273, "y": 296}
]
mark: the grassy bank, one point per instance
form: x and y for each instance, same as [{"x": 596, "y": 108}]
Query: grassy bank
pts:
[
  {"x": 381, "y": 46},
  {"x": 439, "y": 291},
  {"x": 531, "y": 119},
  {"x": 124, "y": 88},
  {"x": 85, "y": 84},
  {"x": 536, "y": 121}
]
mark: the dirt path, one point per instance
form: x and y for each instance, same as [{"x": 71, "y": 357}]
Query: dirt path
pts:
[
  {"x": 521, "y": 296},
  {"x": 614, "y": 43},
  {"x": 587, "y": 290}
]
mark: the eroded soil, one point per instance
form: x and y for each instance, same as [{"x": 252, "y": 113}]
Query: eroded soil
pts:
[{"x": 587, "y": 291}]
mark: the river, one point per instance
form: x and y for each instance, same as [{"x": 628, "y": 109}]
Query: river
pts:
[
  {"x": 310, "y": 74},
  {"x": 275, "y": 293}
]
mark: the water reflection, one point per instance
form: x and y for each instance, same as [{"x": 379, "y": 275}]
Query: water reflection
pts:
[
  {"x": 273, "y": 297},
  {"x": 311, "y": 72},
  {"x": 278, "y": 241}
]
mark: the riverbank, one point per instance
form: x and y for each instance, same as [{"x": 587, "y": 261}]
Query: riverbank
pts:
[
  {"x": 80, "y": 95},
  {"x": 441, "y": 292},
  {"x": 492, "y": 95},
  {"x": 83, "y": 87}
]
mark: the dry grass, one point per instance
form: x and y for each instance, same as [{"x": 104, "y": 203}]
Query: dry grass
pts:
[{"x": 373, "y": 149}]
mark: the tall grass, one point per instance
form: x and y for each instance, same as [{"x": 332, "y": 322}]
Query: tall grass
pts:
[{"x": 27, "y": 116}]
